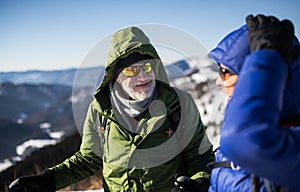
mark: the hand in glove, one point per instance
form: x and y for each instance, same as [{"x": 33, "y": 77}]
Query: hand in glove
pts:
[
  {"x": 186, "y": 184},
  {"x": 42, "y": 182},
  {"x": 267, "y": 32}
]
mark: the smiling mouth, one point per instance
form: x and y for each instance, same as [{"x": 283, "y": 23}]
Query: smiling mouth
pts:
[{"x": 146, "y": 84}]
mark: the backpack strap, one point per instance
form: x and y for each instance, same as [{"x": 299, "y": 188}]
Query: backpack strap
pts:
[
  {"x": 255, "y": 183},
  {"x": 223, "y": 164},
  {"x": 174, "y": 118},
  {"x": 229, "y": 164},
  {"x": 102, "y": 122},
  {"x": 215, "y": 164}
]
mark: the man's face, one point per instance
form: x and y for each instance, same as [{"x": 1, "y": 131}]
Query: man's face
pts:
[
  {"x": 227, "y": 80},
  {"x": 138, "y": 80}
]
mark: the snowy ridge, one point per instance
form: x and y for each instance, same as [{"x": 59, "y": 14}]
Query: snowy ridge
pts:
[
  {"x": 198, "y": 77},
  {"x": 195, "y": 75},
  {"x": 26, "y": 148}
]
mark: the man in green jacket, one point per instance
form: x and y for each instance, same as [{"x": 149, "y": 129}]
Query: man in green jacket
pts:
[{"x": 139, "y": 131}]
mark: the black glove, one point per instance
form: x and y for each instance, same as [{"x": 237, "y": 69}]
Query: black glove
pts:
[
  {"x": 186, "y": 184},
  {"x": 267, "y": 32},
  {"x": 42, "y": 182}
]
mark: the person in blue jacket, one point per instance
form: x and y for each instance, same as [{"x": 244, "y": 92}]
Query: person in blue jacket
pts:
[
  {"x": 265, "y": 140},
  {"x": 230, "y": 54},
  {"x": 229, "y": 174}
]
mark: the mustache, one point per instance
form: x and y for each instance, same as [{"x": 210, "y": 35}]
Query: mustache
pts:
[{"x": 149, "y": 81}]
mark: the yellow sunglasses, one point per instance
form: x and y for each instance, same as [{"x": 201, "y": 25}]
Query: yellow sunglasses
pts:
[
  {"x": 224, "y": 73},
  {"x": 132, "y": 71}
]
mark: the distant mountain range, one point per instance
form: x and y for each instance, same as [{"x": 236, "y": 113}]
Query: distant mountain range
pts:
[
  {"x": 61, "y": 77},
  {"x": 22, "y": 100},
  {"x": 92, "y": 76},
  {"x": 25, "y": 108},
  {"x": 60, "y": 99},
  {"x": 88, "y": 76},
  {"x": 12, "y": 134}
]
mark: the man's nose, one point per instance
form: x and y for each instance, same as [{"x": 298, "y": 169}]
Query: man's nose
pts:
[
  {"x": 142, "y": 75},
  {"x": 219, "y": 81}
]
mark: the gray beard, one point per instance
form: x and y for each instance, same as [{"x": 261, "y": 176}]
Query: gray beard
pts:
[{"x": 127, "y": 109}]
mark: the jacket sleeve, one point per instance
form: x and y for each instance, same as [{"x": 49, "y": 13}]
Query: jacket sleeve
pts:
[
  {"x": 85, "y": 162},
  {"x": 198, "y": 151},
  {"x": 251, "y": 135}
]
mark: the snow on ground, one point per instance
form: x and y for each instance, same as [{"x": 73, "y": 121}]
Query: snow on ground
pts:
[
  {"x": 34, "y": 144},
  {"x": 208, "y": 97},
  {"x": 26, "y": 148},
  {"x": 6, "y": 163},
  {"x": 57, "y": 134}
]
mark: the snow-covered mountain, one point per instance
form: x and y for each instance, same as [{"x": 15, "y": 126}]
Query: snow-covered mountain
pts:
[
  {"x": 36, "y": 99},
  {"x": 28, "y": 110},
  {"x": 33, "y": 95},
  {"x": 198, "y": 76},
  {"x": 56, "y": 77},
  {"x": 23, "y": 100},
  {"x": 63, "y": 77}
]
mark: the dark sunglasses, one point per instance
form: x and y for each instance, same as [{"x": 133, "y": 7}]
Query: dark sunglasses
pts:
[
  {"x": 132, "y": 71},
  {"x": 224, "y": 73}
]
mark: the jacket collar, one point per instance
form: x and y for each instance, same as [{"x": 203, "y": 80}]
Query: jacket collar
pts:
[{"x": 166, "y": 94}]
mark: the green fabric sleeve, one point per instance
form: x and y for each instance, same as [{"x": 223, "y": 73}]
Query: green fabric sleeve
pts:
[
  {"x": 74, "y": 169},
  {"x": 84, "y": 163},
  {"x": 199, "y": 152}
]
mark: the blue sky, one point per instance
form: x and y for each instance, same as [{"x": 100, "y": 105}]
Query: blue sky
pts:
[{"x": 58, "y": 34}]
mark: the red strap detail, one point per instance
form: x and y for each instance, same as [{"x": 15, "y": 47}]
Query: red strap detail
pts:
[{"x": 290, "y": 124}]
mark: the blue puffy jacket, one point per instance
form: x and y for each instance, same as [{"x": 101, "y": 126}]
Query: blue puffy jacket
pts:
[
  {"x": 256, "y": 140},
  {"x": 261, "y": 131},
  {"x": 231, "y": 52}
]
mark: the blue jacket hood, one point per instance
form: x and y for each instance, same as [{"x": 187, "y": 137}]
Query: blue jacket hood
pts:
[{"x": 232, "y": 50}]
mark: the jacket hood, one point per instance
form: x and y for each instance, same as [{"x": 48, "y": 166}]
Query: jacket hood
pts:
[
  {"x": 124, "y": 43},
  {"x": 232, "y": 50}
]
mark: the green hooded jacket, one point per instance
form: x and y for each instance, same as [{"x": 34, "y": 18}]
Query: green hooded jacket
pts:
[{"x": 171, "y": 138}]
